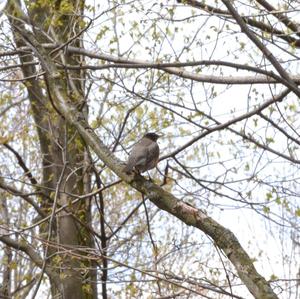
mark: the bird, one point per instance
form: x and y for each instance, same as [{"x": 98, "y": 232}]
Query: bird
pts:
[{"x": 144, "y": 154}]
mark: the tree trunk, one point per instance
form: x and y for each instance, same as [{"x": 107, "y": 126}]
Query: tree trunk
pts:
[{"x": 63, "y": 150}]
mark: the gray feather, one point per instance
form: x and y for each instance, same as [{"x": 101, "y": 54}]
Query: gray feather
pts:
[{"x": 144, "y": 156}]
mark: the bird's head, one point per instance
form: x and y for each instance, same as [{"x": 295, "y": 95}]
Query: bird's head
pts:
[{"x": 152, "y": 136}]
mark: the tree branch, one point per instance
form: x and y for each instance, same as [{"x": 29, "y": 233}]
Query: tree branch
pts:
[
  {"x": 252, "y": 22},
  {"x": 25, "y": 196},
  {"x": 191, "y": 216},
  {"x": 282, "y": 18},
  {"x": 22, "y": 164},
  {"x": 221, "y": 126},
  {"x": 172, "y": 67},
  {"x": 287, "y": 79},
  {"x": 22, "y": 246}
]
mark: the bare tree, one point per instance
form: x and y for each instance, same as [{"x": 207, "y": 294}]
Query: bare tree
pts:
[{"x": 82, "y": 82}]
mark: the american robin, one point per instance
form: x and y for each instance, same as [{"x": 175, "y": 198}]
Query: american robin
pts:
[{"x": 144, "y": 154}]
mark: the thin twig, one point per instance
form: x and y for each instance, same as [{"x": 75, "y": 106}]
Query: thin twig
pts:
[{"x": 51, "y": 223}]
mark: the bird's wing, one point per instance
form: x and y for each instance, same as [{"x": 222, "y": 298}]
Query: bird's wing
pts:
[
  {"x": 143, "y": 156},
  {"x": 138, "y": 155},
  {"x": 152, "y": 153}
]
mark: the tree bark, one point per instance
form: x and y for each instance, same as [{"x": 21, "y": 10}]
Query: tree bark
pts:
[{"x": 61, "y": 146}]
